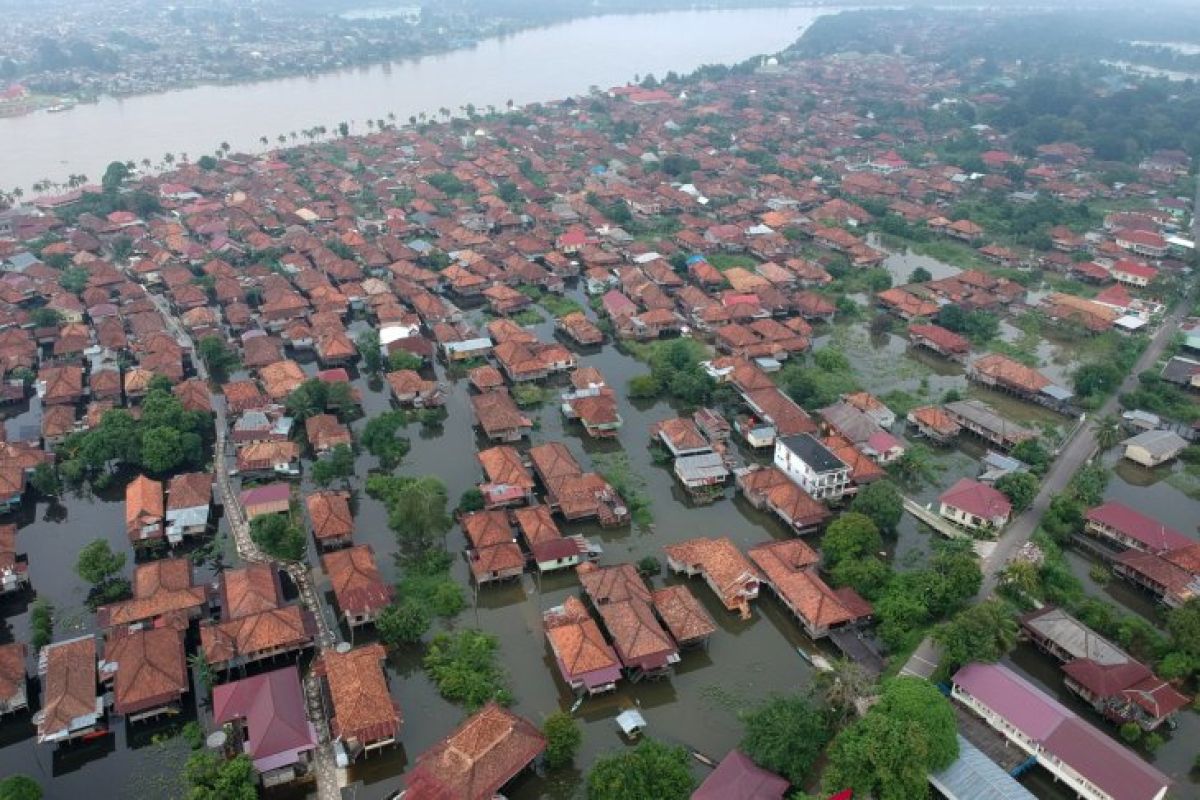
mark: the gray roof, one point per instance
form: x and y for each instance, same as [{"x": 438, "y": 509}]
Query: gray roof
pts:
[
  {"x": 1073, "y": 636},
  {"x": 983, "y": 415},
  {"x": 1158, "y": 443},
  {"x": 700, "y": 467},
  {"x": 813, "y": 453},
  {"x": 974, "y": 776},
  {"x": 854, "y": 423}
]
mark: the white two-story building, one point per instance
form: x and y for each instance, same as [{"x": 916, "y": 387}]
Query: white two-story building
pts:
[{"x": 812, "y": 466}]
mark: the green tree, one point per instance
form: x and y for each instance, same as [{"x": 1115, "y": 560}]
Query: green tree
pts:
[
  {"x": 851, "y": 536},
  {"x": 402, "y": 359},
  {"x": 369, "y": 349},
  {"x": 902, "y": 613},
  {"x": 45, "y": 317},
  {"x": 869, "y": 576},
  {"x": 785, "y": 735},
  {"x": 218, "y": 356},
  {"x": 889, "y": 753},
  {"x": 1020, "y": 488},
  {"x": 652, "y": 769},
  {"x": 953, "y": 578},
  {"x": 73, "y": 279},
  {"x": 279, "y": 537},
  {"x": 45, "y": 480},
  {"x": 920, "y": 275},
  {"x": 41, "y": 623},
  {"x": 915, "y": 467},
  {"x": 643, "y": 387},
  {"x": 339, "y": 464},
  {"x": 212, "y": 777},
  {"x": 983, "y": 632},
  {"x": 97, "y": 563},
  {"x": 472, "y": 500},
  {"x": 20, "y": 787},
  {"x": 1183, "y": 623},
  {"x": 416, "y": 508},
  {"x": 381, "y": 438},
  {"x": 162, "y": 449},
  {"x": 1033, "y": 453},
  {"x": 563, "y": 738},
  {"x": 115, "y": 175},
  {"x": 402, "y": 623},
  {"x": 465, "y": 668},
  {"x": 881, "y": 501}
]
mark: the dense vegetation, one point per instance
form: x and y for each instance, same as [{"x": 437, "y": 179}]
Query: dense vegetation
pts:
[{"x": 465, "y": 667}]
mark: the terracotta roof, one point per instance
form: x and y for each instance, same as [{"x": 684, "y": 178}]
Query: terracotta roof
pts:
[
  {"x": 357, "y": 584},
  {"x": 69, "y": 688},
  {"x": 577, "y": 641},
  {"x": 143, "y": 505},
  {"x": 683, "y": 614},
  {"x": 1009, "y": 372},
  {"x": 722, "y": 564},
  {"x": 536, "y": 524},
  {"x": 497, "y": 413},
  {"x": 362, "y": 707},
  {"x": 788, "y": 566},
  {"x": 249, "y": 590},
  {"x": 12, "y": 670},
  {"x": 151, "y": 669},
  {"x": 503, "y": 464},
  {"x": 159, "y": 588},
  {"x": 612, "y": 584},
  {"x": 288, "y": 628},
  {"x": 329, "y": 512},
  {"x": 477, "y": 759},
  {"x": 189, "y": 490}
]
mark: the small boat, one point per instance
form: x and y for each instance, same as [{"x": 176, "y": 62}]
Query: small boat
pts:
[
  {"x": 703, "y": 759},
  {"x": 58, "y": 108},
  {"x": 815, "y": 659}
]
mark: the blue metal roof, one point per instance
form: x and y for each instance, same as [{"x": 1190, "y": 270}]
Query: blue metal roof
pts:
[{"x": 974, "y": 776}]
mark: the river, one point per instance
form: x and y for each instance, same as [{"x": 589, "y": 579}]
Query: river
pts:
[{"x": 535, "y": 65}]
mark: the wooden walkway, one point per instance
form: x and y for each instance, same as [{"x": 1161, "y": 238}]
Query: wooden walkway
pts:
[{"x": 934, "y": 520}]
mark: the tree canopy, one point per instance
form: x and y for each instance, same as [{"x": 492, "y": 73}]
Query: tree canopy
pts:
[
  {"x": 785, "y": 735},
  {"x": 652, "y": 769},
  {"x": 1020, "y": 488},
  {"x": 465, "y": 668},
  {"x": 416, "y": 507},
  {"x": 563, "y": 738},
  {"x": 851, "y": 536},
  {"x": 213, "y": 777},
  {"x": 982, "y": 632},
  {"x": 889, "y": 753},
  {"x": 881, "y": 501},
  {"x": 381, "y": 436},
  {"x": 20, "y": 787},
  {"x": 279, "y": 537}
]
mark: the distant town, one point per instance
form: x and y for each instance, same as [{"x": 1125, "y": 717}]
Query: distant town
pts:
[{"x": 825, "y": 425}]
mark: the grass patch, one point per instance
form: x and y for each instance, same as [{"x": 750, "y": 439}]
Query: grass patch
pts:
[
  {"x": 958, "y": 255},
  {"x": 724, "y": 261},
  {"x": 528, "y": 316},
  {"x": 528, "y": 395},
  {"x": 465, "y": 666},
  {"x": 617, "y": 471}
]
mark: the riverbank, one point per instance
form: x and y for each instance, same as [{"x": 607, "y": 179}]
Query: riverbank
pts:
[{"x": 536, "y": 65}]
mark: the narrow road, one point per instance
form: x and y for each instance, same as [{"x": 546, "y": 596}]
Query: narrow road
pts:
[
  {"x": 1081, "y": 448},
  {"x": 325, "y": 768}
]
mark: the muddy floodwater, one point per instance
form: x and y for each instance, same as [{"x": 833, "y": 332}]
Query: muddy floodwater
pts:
[{"x": 698, "y": 706}]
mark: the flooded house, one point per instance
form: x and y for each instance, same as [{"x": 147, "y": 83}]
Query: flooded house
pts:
[
  {"x": 14, "y": 568},
  {"x": 14, "y": 694},
  {"x": 499, "y": 418},
  {"x": 1153, "y": 448},
  {"x": 975, "y": 506},
  {"x": 982, "y": 420},
  {"x": 493, "y": 553},
  {"x": 507, "y": 481},
  {"x": 363, "y": 716},
  {"x": 789, "y": 569},
  {"x": 586, "y": 662},
  {"x": 189, "y": 503},
  {"x": 271, "y": 498},
  {"x": 771, "y": 488},
  {"x": 147, "y": 672},
  {"x": 359, "y": 589},
  {"x": 934, "y": 423},
  {"x": 727, "y": 572},
  {"x": 570, "y": 491},
  {"x": 1091, "y": 764},
  {"x": 144, "y": 511},
  {"x": 549, "y": 549},
  {"x": 999, "y": 372},
  {"x": 72, "y": 702},
  {"x": 477, "y": 759},
  {"x": 683, "y": 616},
  {"x": 1117, "y": 686},
  {"x": 268, "y": 717},
  {"x": 331, "y": 519},
  {"x": 807, "y": 462},
  {"x": 162, "y": 590},
  {"x": 255, "y": 625},
  {"x": 623, "y": 601}
]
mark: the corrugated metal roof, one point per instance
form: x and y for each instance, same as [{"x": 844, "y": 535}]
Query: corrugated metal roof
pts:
[{"x": 974, "y": 776}]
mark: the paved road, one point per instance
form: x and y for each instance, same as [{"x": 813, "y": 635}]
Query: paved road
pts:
[
  {"x": 328, "y": 777},
  {"x": 1081, "y": 448}
]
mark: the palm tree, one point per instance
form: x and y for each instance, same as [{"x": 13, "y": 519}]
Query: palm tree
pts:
[
  {"x": 282, "y": 138},
  {"x": 145, "y": 163},
  {"x": 391, "y": 116},
  {"x": 224, "y": 147},
  {"x": 18, "y": 193},
  {"x": 264, "y": 141},
  {"x": 1108, "y": 431},
  {"x": 292, "y": 135},
  {"x": 169, "y": 158}
]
